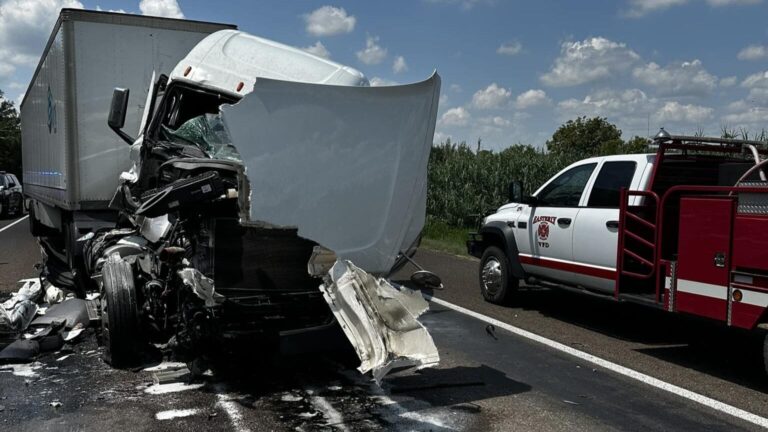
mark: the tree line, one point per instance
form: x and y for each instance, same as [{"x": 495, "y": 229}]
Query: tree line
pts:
[
  {"x": 466, "y": 184},
  {"x": 10, "y": 138}
]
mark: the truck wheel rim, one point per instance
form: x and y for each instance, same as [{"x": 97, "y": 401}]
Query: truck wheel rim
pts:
[{"x": 492, "y": 275}]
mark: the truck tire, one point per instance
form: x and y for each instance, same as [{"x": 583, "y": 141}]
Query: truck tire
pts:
[
  {"x": 496, "y": 281},
  {"x": 19, "y": 200},
  {"x": 119, "y": 315},
  {"x": 765, "y": 352},
  {"x": 35, "y": 227},
  {"x": 3, "y": 209}
]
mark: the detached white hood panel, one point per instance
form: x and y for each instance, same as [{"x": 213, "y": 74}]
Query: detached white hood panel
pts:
[{"x": 345, "y": 165}]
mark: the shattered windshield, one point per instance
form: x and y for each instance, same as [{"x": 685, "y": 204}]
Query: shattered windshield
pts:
[{"x": 208, "y": 133}]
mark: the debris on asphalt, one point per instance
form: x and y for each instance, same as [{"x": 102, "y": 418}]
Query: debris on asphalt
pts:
[
  {"x": 74, "y": 333},
  {"x": 35, "y": 319},
  {"x": 20, "y": 351},
  {"x": 379, "y": 320},
  {"x": 491, "y": 330},
  {"x": 171, "y": 375},
  {"x": 55, "y": 404},
  {"x": 18, "y": 311},
  {"x": 54, "y": 295},
  {"x": 73, "y": 311},
  {"x": 172, "y": 388}
]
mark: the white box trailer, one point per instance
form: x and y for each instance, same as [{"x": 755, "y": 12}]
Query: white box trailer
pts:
[{"x": 70, "y": 155}]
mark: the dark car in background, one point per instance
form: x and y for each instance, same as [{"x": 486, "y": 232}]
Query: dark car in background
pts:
[{"x": 11, "y": 195}]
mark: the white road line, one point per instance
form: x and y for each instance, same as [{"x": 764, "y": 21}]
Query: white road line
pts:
[
  {"x": 630, "y": 373},
  {"x": 13, "y": 223},
  {"x": 230, "y": 407}
]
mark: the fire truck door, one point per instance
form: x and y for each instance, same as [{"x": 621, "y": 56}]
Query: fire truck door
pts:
[
  {"x": 551, "y": 222},
  {"x": 704, "y": 256}
]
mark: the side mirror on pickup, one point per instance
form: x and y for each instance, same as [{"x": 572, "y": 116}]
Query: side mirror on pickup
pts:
[
  {"x": 530, "y": 200},
  {"x": 117, "y": 112},
  {"x": 515, "y": 191}
]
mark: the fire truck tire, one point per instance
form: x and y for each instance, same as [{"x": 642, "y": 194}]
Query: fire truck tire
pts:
[
  {"x": 120, "y": 330},
  {"x": 765, "y": 353},
  {"x": 496, "y": 281}
]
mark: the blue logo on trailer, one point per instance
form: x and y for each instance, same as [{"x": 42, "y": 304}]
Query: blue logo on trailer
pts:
[{"x": 51, "y": 112}]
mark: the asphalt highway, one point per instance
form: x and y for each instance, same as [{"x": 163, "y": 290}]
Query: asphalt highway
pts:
[{"x": 489, "y": 379}]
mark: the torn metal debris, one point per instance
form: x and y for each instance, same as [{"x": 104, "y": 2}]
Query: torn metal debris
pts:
[{"x": 379, "y": 320}]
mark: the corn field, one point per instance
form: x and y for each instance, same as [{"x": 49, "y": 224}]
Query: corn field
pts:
[{"x": 464, "y": 184}]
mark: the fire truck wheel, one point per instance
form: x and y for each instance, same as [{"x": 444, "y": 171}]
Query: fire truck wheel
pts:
[
  {"x": 119, "y": 315},
  {"x": 496, "y": 283},
  {"x": 765, "y": 353}
]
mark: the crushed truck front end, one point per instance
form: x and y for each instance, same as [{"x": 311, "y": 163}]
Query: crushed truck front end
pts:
[{"x": 235, "y": 186}]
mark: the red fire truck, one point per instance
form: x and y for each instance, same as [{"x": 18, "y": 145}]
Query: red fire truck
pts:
[{"x": 684, "y": 230}]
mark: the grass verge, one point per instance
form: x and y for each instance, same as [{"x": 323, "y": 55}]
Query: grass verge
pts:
[{"x": 445, "y": 238}]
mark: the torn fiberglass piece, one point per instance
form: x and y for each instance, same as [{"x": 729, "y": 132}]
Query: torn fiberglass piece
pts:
[
  {"x": 202, "y": 286},
  {"x": 379, "y": 320},
  {"x": 347, "y": 166}
]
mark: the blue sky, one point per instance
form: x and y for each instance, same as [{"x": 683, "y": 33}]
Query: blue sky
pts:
[{"x": 512, "y": 71}]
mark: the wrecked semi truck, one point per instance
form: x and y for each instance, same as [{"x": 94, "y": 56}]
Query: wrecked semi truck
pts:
[
  {"x": 260, "y": 167},
  {"x": 70, "y": 156}
]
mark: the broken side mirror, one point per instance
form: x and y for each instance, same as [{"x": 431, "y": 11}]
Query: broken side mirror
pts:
[
  {"x": 117, "y": 112},
  {"x": 426, "y": 279},
  {"x": 515, "y": 191}
]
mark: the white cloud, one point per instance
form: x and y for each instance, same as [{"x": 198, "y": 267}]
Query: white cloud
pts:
[
  {"x": 465, "y": 4},
  {"x": 6, "y": 70},
  {"x": 98, "y": 8},
  {"x": 162, "y": 8},
  {"x": 639, "y": 8},
  {"x": 455, "y": 88},
  {"x": 496, "y": 121},
  {"x": 441, "y": 137},
  {"x": 728, "y": 81},
  {"x": 399, "y": 65},
  {"x": 759, "y": 79},
  {"x": 680, "y": 79},
  {"x": 631, "y": 106},
  {"x": 382, "y": 82},
  {"x": 753, "y": 52},
  {"x": 751, "y": 118},
  {"x": 717, "y": 3},
  {"x": 443, "y": 99},
  {"x": 531, "y": 98},
  {"x": 458, "y": 116},
  {"x": 329, "y": 21},
  {"x": 674, "y": 111},
  {"x": 24, "y": 28},
  {"x": 510, "y": 48},
  {"x": 590, "y": 60},
  {"x": 318, "y": 49},
  {"x": 492, "y": 96},
  {"x": 373, "y": 53}
]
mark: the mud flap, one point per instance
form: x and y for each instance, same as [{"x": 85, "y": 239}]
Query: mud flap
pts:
[{"x": 379, "y": 320}]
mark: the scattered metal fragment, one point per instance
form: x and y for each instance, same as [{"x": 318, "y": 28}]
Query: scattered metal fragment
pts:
[
  {"x": 171, "y": 375},
  {"x": 379, "y": 320},
  {"x": 491, "y": 330}
]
